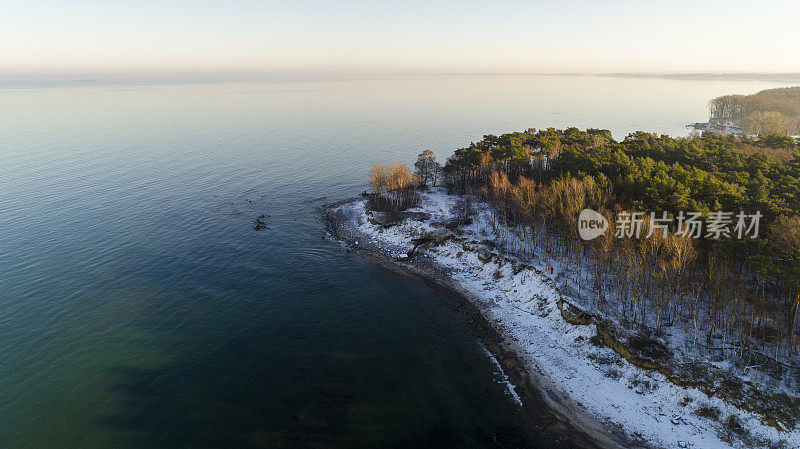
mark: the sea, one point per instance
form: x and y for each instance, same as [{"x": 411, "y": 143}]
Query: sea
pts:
[{"x": 140, "y": 306}]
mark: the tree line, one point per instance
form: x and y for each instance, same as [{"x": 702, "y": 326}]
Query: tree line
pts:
[{"x": 738, "y": 296}]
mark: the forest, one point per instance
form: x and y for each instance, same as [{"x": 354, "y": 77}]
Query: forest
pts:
[
  {"x": 771, "y": 111},
  {"x": 738, "y": 296}
]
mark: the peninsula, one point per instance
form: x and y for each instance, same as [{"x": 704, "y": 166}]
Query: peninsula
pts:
[{"x": 675, "y": 326}]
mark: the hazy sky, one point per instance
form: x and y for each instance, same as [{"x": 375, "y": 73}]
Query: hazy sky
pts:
[{"x": 413, "y": 36}]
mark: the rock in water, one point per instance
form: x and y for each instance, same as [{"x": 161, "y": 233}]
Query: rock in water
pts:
[{"x": 260, "y": 222}]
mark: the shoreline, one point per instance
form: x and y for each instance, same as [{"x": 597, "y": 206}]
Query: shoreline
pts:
[
  {"x": 588, "y": 376},
  {"x": 541, "y": 399}
]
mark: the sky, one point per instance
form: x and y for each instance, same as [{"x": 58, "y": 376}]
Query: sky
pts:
[{"x": 406, "y": 37}]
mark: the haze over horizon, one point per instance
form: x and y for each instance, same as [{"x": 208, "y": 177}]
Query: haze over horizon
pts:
[{"x": 179, "y": 37}]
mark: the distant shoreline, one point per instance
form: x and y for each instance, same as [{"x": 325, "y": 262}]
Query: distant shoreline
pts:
[
  {"x": 772, "y": 77},
  {"x": 35, "y": 79}
]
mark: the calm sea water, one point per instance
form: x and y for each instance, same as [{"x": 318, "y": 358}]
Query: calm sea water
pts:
[{"x": 139, "y": 308}]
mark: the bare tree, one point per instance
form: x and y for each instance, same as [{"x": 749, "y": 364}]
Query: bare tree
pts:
[{"x": 427, "y": 168}]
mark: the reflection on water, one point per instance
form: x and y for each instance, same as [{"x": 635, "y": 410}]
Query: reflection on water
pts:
[{"x": 139, "y": 308}]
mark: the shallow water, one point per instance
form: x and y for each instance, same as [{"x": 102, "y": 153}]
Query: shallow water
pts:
[{"x": 139, "y": 308}]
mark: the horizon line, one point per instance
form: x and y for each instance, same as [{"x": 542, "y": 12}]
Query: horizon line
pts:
[{"x": 167, "y": 77}]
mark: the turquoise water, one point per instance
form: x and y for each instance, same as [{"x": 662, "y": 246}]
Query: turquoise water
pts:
[{"x": 139, "y": 307}]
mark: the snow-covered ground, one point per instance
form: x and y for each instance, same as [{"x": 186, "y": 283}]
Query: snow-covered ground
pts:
[
  {"x": 717, "y": 128},
  {"x": 522, "y": 302}
]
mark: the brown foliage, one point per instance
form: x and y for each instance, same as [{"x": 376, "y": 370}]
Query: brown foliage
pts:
[{"x": 393, "y": 188}]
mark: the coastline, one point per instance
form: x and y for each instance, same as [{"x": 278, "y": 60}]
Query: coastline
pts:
[
  {"x": 540, "y": 398},
  {"x": 579, "y": 371}
]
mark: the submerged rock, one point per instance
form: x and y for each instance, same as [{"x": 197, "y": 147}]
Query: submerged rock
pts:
[{"x": 260, "y": 222}]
